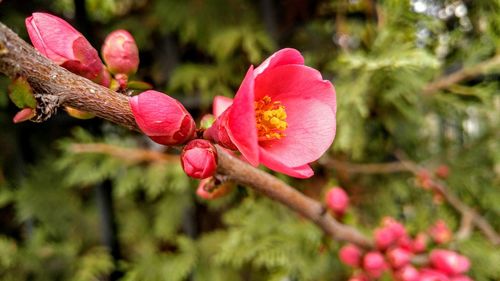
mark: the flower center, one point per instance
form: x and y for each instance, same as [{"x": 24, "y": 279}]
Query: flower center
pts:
[{"x": 271, "y": 119}]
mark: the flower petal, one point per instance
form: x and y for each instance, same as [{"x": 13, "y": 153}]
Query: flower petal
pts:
[
  {"x": 310, "y": 132},
  {"x": 220, "y": 105},
  {"x": 269, "y": 160},
  {"x": 290, "y": 81},
  {"x": 281, "y": 57},
  {"x": 241, "y": 120}
]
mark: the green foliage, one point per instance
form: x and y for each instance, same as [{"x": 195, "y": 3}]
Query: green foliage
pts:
[{"x": 20, "y": 93}]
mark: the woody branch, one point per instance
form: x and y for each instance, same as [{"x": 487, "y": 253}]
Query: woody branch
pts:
[{"x": 19, "y": 59}]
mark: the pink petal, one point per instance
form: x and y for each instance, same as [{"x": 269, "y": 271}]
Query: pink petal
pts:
[
  {"x": 220, "y": 105},
  {"x": 310, "y": 132},
  {"x": 57, "y": 34},
  {"x": 270, "y": 161},
  {"x": 290, "y": 81},
  {"x": 241, "y": 120},
  {"x": 281, "y": 57}
]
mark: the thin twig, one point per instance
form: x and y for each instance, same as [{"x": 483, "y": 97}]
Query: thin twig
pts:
[
  {"x": 20, "y": 59},
  {"x": 463, "y": 74}
]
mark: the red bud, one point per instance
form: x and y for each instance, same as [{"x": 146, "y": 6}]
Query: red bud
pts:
[
  {"x": 398, "y": 257},
  {"x": 162, "y": 118},
  {"x": 120, "y": 52},
  {"x": 24, "y": 114},
  {"x": 440, "y": 232},
  {"x": 199, "y": 159},
  {"x": 337, "y": 200},
  {"x": 374, "y": 264},
  {"x": 59, "y": 41},
  {"x": 407, "y": 273},
  {"x": 449, "y": 262},
  {"x": 351, "y": 255}
]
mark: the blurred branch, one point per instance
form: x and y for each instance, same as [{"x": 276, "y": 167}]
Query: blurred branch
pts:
[
  {"x": 462, "y": 75},
  {"x": 132, "y": 155},
  {"x": 17, "y": 58},
  {"x": 469, "y": 216}
]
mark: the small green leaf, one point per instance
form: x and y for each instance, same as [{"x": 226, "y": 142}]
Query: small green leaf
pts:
[
  {"x": 21, "y": 94},
  {"x": 139, "y": 85}
]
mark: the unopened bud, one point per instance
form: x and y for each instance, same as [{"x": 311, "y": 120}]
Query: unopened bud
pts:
[
  {"x": 199, "y": 159},
  {"x": 162, "y": 118},
  {"x": 398, "y": 257},
  {"x": 419, "y": 243},
  {"x": 374, "y": 264},
  {"x": 440, "y": 232},
  {"x": 449, "y": 262},
  {"x": 120, "y": 52},
  {"x": 24, "y": 114},
  {"x": 351, "y": 255},
  {"x": 59, "y": 41},
  {"x": 407, "y": 273},
  {"x": 337, "y": 200},
  {"x": 384, "y": 238}
]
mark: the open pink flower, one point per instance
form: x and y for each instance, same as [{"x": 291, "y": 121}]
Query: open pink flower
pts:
[
  {"x": 282, "y": 116},
  {"x": 59, "y": 41}
]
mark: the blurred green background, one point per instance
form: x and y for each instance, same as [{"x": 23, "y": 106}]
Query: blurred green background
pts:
[{"x": 70, "y": 215}]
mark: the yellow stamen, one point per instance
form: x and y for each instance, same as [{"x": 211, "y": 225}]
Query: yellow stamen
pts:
[{"x": 271, "y": 119}]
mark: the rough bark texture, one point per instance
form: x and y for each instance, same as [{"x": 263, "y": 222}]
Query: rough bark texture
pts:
[{"x": 55, "y": 86}]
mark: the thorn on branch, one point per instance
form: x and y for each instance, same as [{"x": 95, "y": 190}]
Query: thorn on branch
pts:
[{"x": 3, "y": 49}]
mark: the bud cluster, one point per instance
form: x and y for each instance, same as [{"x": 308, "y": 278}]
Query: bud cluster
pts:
[{"x": 394, "y": 252}]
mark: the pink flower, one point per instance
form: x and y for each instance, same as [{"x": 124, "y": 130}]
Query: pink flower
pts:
[
  {"x": 283, "y": 116},
  {"x": 162, "y": 118},
  {"x": 207, "y": 189},
  {"x": 398, "y": 257},
  {"x": 397, "y": 229},
  {"x": 440, "y": 232},
  {"x": 199, "y": 159},
  {"x": 337, "y": 200},
  {"x": 374, "y": 264},
  {"x": 120, "y": 52},
  {"x": 407, "y": 273},
  {"x": 350, "y": 254},
  {"x": 59, "y": 41},
  {"x": 449, "y": 262}
]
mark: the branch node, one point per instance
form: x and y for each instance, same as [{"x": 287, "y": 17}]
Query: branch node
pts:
[{"x": 46, "y": 106}]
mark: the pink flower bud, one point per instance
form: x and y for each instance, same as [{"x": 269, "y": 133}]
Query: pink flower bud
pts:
[
  {"x": 59, "y": 41},
  {"x": 398, "y": 257},
  {"x": 384, "y": 238},
  {"x": 407, "y": 273},
  {"x": 207, "y": 189},
  {"x": 199, "y": 159},
  {"x": 397, "y": 229},
  {"x": 162, "y": 118},
  {"x": 337, "y": 200},
  {"x": 374, "y": 264},
  {"x": 449, "y": 262},
  {"x": 427, "y": 274},
  {"x": 443, "y": 171},
  {"x": 420, "y": 243},
  {"x": 120, "y": 52},
  {"x": 440, "y": 232},
  {"x": 24, "y": 114},
  {"x": 351, "y": 255}
]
